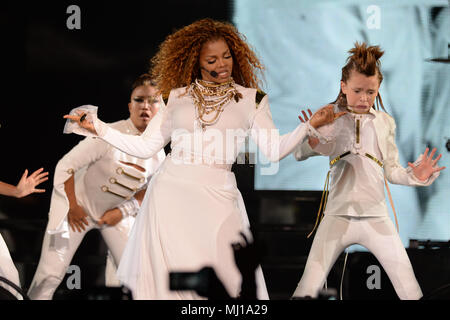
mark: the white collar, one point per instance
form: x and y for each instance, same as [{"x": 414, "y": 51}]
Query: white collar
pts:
[
  {"x": 371, "y": 111},
  {"x": 131, "y": 128},
  {"x": 351, "y": 110}
]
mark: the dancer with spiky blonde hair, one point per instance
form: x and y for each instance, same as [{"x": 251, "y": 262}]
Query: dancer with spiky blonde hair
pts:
[{"x": 363, "y": 155}]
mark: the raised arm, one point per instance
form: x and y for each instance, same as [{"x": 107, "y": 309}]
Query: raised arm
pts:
[
  {"x": 422, "y": 173},
  {"x": 154, "y": 138},
  {"x": 317, "y": 145},
  {"x": 275, "y": 146},
  {"x": 26, "y": 185}
]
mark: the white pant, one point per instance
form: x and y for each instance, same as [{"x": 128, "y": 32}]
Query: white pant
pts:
[
  {"x": 7, "y": 268},
  {"x": 57, "y": 253},
  {"x": 377, "y": 234}
]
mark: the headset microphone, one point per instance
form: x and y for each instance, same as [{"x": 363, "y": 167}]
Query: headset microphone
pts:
[{"x": 212, "y": 73}]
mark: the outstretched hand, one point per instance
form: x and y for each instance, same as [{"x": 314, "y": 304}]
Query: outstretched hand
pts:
[
  {"x": 81, "y": 119},
  {"x": 427, "y": 166},
  {"x": 324, "y": 115},
  {"x": 313, "y": 141},
  {"x": 28, "y": 184},
  {"x": 305, "y": 116}
]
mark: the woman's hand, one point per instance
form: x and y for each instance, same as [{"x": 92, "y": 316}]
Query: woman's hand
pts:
[
  {"x": 427, "y": 166},
  {"x": 28, "y": 185},
  {"x": 313, "y": 141},
  {"x": 80, "y": 118},
  {"x": 305, "y": 116},
  {"x": 325, "y": 115},
  {"x": 111, "y": 217},
  {"x": 77, "y": 218}
]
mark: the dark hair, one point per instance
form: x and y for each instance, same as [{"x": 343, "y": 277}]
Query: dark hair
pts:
[
  {"x": 365, "y": 60},
  {"x": 143, "y": 80}
]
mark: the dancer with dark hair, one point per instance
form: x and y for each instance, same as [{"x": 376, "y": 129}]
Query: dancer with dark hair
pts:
[{"x": 99, "y": 187}]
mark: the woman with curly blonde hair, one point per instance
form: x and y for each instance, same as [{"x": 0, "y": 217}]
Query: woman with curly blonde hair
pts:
[{"x": 193, "y": 212}]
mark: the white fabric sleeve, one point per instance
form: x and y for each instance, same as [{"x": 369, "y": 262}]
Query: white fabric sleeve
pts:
[
  {"x": 325, "y": 149},
  {"x": 304, "y": 151},
  {"x": 273, "y": 145},
  {"x": 155, "y": 137},
  {"x": 85, "y": 152},
  {"x": 129, "y": 208},
  {"x": 77, "y": 159},
  {"x": 394, "y": 172},
  {"x": 73, "y": 127}
]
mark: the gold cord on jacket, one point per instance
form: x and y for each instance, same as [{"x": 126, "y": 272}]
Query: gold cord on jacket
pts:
[
  {"x": 357, "y": 130},
  {"x": 392, "y": 203},
  {"x": 323, "y": 200},
  {"x": 121, "y": 171},
  {"x": 114, "y": 181},
  {"x": 106, "y": 189}
]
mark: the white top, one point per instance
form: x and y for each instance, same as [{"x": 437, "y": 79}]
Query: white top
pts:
[
  {"x": 357, "y": 181},
  {"x": 104, "y": 177},
  {"x": 219, "y": 143},
  {"x": 189, "y": 200}
]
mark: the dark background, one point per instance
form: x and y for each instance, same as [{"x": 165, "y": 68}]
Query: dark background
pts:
[{"x": 48, "y": 69}]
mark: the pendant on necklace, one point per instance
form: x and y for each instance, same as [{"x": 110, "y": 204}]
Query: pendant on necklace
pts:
[{"x": 238, "y": 96}]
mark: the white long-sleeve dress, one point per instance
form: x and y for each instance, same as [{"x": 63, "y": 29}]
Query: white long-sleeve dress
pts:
[{"x": 193, "y": 211}]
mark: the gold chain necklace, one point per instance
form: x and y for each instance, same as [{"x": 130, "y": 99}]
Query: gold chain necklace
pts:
[{"x": 210, "y": 99}]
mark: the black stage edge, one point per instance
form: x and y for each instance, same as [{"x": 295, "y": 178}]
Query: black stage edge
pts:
[{"x": 257, "y": 310}]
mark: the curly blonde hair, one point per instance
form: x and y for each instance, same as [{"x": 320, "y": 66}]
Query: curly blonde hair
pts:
[
  {"x": 176, "y": 64},
  {"x": 366, "y": 60}
]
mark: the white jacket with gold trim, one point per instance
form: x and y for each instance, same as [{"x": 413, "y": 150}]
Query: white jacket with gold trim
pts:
[
  {"x": 362, "y": 151},
  {"x": 104, "y": 177}
]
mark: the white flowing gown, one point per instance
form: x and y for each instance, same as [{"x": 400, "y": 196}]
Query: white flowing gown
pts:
[{"x": 192, "y": 211}]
